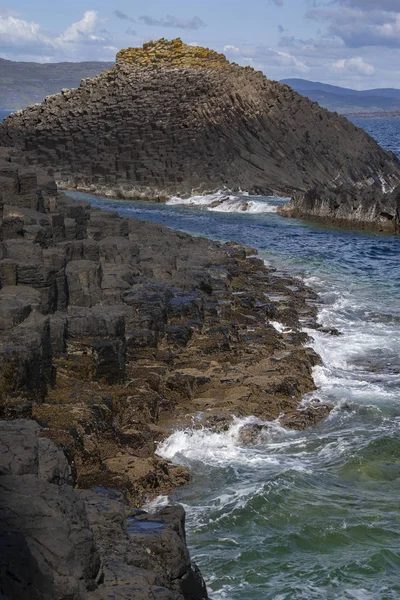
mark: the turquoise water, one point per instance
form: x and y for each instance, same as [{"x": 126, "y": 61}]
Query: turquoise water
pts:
[{"x": 309, "y": 515}]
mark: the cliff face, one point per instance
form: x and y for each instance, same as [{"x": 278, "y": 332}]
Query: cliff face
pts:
[
  {"x": 349, "y": 206},
  {"x": 171, "y": 119}
]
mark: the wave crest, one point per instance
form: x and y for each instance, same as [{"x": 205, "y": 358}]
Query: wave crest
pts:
[{"x": 223, "y": 201}]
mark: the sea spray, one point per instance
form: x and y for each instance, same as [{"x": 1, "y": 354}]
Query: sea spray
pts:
[{"x": 227, "y": 202}]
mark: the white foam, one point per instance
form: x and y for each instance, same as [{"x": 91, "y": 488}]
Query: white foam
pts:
[
  {"x": 280, "y": 327},
  {"x": 346, "y": 372},
  {"x": 208, "y": 446},
  {"x": 157, "y": 503},
  {"x": 225, "y": 201},
  {"x": 225, "y": 448}
]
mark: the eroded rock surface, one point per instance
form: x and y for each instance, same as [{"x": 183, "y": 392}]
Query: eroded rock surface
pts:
[
  {"x": 171, "y": 119},
  {"x": 107, "y": 339},
  {"x": 57, "y": 543},
  {"x": 112, "y": 332},
  {"x": 349, "y": 206}
]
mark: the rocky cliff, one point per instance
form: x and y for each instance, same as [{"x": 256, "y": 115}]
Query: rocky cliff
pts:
[
  {"x": 171, "y": 119},
  {"x": 349, "y": 206}
]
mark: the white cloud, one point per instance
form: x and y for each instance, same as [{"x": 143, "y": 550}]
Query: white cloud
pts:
[
  {"x": 356, "y": 66},
  {"x": 229, "y": 49},
  {"x": 26, "y": 39},
  {"x": 361, "y": 26},
  {"x": 269, "y": 57},
  {"x": 16, "y": 30},
  {"x": 390, "y": 31},
  {"x": 84, "y": 30},
  {"x": 266, "y": 59}
]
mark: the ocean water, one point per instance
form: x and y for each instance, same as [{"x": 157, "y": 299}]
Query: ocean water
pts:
[
  {"x": 311, "y": 515},
  {"x": 386, "y": 131},
  {"x": 4, "y": 114}
]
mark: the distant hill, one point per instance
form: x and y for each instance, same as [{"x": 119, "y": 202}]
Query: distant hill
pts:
[
  {"x": 25, "y": 83},
  {"x": 173, "y": 118},
  {"x": 346, "y": 100}
]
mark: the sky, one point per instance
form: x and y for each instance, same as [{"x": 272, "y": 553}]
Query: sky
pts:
[{"x": 352, "y": 43}]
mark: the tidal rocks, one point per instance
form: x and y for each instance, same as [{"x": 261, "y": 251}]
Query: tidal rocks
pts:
[
  {"x": 105, "y": 335},
  {"x": 57, "y": 543},
  {"x": 112, "y": 331},
  {"x": 349, "y": 206},
  {"x": 171, "y": 119}
]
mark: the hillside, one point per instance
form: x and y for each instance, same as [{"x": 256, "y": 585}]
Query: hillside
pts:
[
  {"x": 171, "y": 119},
  {"x": 25, "y": 83},
  {"x": 346, "y": 100}
]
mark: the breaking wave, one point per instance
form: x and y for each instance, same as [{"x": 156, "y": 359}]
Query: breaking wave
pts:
[{"x": 231, "y": 203}]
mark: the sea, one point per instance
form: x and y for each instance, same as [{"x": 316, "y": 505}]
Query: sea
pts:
[{"x": 308, "y": 515}]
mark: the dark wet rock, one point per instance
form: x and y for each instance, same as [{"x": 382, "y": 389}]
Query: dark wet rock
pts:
[
  {"x": 330, "y": 330},
  {"x": 377, "y": 206},
  {"x": 84, "y": 282},
  {"x": 8, "y": 272},
  {"x": 46, "y": 547},
  {"x": 57, "y": 543},
  {"x": 26, "y": 369},
  {"x": 23, "y": 452},
  {"x": 158, "y": 544},
  {"x": 306, "y": 417},
  {"x": 118, "y": 251}
]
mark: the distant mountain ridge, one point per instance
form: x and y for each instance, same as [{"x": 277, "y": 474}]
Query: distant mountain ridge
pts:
[
  {"x": 25, "y": 83},
  {"x": 346, "y": 100}
]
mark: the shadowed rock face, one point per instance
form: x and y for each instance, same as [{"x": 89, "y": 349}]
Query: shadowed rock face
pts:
[
  {"x": 57, "y": 543},
  {"x": 172, "y": 119},
  {"x": 349, "y": 207}
]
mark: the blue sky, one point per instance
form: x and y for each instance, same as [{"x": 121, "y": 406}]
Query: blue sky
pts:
[{"x": 355, "y": 43}]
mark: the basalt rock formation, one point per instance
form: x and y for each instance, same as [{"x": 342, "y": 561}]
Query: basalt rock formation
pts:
[
  {"x": 171, "y": 119},
  {"x": 59, "y": 543},
  {"x": 107, "y": 341},
  {"x": 349, "y": 206}
]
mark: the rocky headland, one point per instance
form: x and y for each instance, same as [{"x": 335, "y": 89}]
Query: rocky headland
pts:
[
  {"x": 170, "y": 119},
  {"x": 352, "y": 207},
  {"x": 113, "y": 332}
]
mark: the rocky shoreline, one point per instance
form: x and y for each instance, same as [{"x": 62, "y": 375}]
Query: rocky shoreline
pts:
[
  {"x": 113, "y": 332},
  {"x": 349, "y": 207}
]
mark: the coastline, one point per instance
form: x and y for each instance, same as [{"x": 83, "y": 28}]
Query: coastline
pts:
[{"x": 114, "y": 342}]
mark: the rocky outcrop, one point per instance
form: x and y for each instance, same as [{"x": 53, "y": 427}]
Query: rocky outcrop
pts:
[
  {"x": 349, "y": 206},
  {"x": 112, "y": 331},
  {"x": 57, "y": 543},
  {"x": 106, "y": 339},
  {"x": 171, "y": 119}
]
